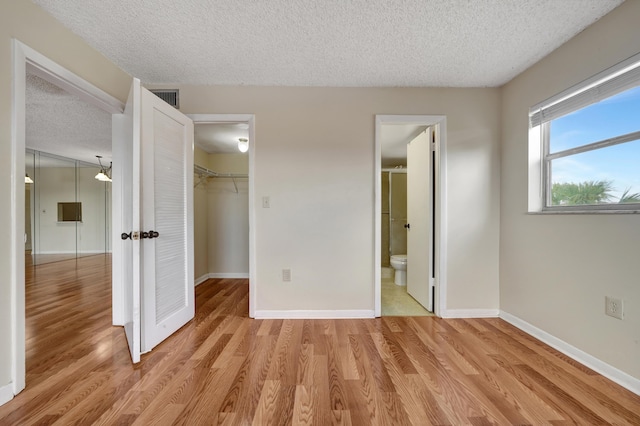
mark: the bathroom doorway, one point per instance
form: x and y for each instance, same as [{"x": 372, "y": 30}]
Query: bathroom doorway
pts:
[
  {"x": 425, "y": 136},
  {"x": 395, "y": 299}
]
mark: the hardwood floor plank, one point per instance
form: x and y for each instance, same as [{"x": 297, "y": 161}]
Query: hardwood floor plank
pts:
[
  {"x": 580, "y": 413},
  {"x": 224, "y": 368},
  {"x": 268, "y": 402},
  {"x": 303, "y": 405},
  {"x": 205, "y": 406},
  {"x": 337, "y": 386}
]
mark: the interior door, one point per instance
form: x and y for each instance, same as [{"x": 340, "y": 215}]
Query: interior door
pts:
[
  {"x": 153, "y": 176},
  {"x": 167, "y": 220},
  {"x": 419, "y": 218}
]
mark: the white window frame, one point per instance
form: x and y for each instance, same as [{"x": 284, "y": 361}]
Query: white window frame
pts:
[{"x": 615, "y": 80}]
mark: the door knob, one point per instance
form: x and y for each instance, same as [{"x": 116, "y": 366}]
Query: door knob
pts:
[
  {"x": 407, "y": 225},
  {"x": 124, "y": 235},
  {"x": 150, "y": 234}
]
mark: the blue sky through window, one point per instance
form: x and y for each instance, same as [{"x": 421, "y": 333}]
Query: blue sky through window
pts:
[{"x": 620, "y": 164}]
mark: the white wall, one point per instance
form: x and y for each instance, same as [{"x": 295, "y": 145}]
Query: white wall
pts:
[
  {"x": 314, "y": 156},
  {"x": 228, "y": 217},
  {"x": 555, "y": 270},
  {"x": 222, "y": 218}
]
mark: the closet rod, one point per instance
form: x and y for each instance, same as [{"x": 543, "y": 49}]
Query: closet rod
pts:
[
  {"x": 205, "y": 173},
  {"x": 210, "y": 173}
]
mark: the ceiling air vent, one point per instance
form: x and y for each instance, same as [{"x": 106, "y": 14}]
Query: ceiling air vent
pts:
[{"x": 170, "y": 96}]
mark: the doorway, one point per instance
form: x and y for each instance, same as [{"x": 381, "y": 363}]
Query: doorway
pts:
[
  {"x": 27, "y": 60},
  {"x": 230, "y": 183},
  {"x": 432, "y": 250}
]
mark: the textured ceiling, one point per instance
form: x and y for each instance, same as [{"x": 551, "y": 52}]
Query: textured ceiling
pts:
[
  {"x": 62, "y": 124},
  {"x": 455, "y": 43}
]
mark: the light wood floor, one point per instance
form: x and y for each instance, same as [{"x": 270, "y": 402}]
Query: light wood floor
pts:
[
  {"x": 226, "y": 368},
  {"x": 39, "y": 259}
]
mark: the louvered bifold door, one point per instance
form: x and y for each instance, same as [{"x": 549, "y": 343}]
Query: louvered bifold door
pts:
[{"x": 167, "y": 220}]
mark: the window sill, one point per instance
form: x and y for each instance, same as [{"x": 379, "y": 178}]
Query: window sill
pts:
[{"x": 601, "y": 211}]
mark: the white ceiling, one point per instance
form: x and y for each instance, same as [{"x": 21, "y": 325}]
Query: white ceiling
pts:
[
  {"x": 221, "y": 138},
  {"x": 410, "y": 43},
  {"x": 393, "y": 142}
]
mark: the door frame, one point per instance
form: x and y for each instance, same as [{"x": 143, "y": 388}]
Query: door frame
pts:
[
  {"x": 250, "y": 120},
  {"x": 25, "y": 58},
  {"x": 440, "y": 206}
]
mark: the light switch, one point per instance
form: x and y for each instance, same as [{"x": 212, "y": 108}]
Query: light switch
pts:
[{"x": 266, "y": 202}]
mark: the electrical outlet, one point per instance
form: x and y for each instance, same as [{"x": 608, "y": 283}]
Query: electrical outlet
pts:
[
  {"x": 286, "y": 275},
  {"x": 613, "y": 307}
]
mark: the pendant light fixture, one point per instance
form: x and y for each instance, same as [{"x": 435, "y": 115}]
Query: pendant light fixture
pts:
[
  {"x": 243, "y": 144},
  {"x": 27, "y": 179},
  {"x": 104, "y": 173}
]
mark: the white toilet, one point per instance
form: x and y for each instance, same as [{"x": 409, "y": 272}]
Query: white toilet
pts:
[{"x": 399, "y": 264}]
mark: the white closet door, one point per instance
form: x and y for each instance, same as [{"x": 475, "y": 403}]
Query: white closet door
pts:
[
  {"x": 167, "y": 200},
  {"x": 153, "y": 187}
]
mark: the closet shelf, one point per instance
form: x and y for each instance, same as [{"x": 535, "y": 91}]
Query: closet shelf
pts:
[{"x": 204, "y": 174}]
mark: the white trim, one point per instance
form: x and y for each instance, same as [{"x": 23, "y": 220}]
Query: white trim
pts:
[
  {"x": 6, "y": 393},
  {"x": 71, "y": 252},
  {"x": 25, "y": 57},
  {"x": 471, "y": 313},
  {"x": 440, "y": 121},
  {"x": 620, "y": 377},
  {"x": 233, "y": 275},
  {"x": 249, "y": 119},
  {"x": 315, "y": 314},
  {"x": 200, "y": 280},
  {"x": 630, "y": 65},
  {"x": 222, "y": 275},
  {"x": 48, "y": 70},
  {"x": 18, "y": 128}
]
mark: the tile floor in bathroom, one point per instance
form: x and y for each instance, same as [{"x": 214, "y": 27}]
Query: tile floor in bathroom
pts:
[{"x": 395, "y": 299}]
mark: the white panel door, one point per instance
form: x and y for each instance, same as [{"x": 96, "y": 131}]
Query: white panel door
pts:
[
  {"x": 167, "y": 220},
  {"x": 419, "y": 218},
  {"x": 153, "y": 184}
]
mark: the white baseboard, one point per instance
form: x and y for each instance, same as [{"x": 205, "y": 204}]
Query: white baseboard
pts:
[
  {"x": 201, "y": 279},
  {"x": 233, "y": 275},
  {"x": 6, "y": 393},
  {"x": 470, "y": 313},
  {"x": 72, "y": 252},
  {"x": 620, "y": 377},
  {"x": 314, "y": 314},
  {"x": 237, "y": 275}
]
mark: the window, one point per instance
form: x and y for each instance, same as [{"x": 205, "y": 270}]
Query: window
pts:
[{"x": 588, "y": 144}]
